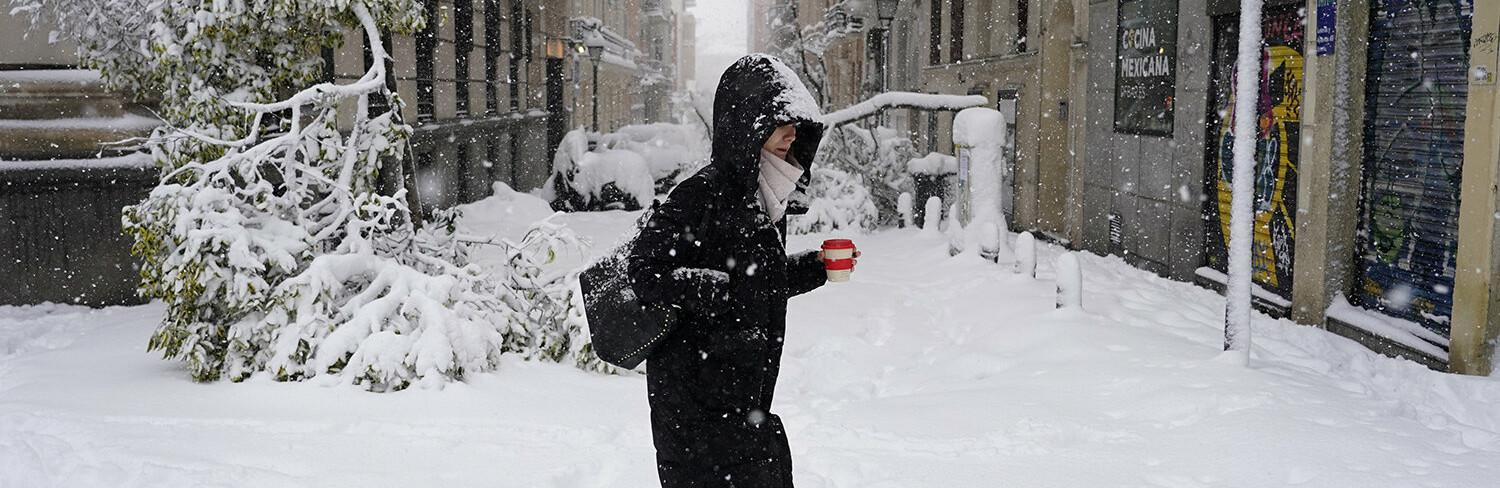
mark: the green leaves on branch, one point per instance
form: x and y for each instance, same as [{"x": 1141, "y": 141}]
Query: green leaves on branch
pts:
[{"x": 268, "y": 238}]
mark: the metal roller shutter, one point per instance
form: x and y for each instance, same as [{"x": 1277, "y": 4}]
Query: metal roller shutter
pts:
[
  {"x": 1414, "y": 127},
  {"x": 1277, "y": 146}
]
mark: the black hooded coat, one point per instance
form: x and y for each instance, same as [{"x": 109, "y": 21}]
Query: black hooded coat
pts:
[{"x": 711, "y": 381}]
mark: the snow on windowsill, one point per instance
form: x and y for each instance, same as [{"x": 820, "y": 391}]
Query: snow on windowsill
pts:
[
  {"x": 472, "y": 119},
  {"x": 1030, "y": 53},
  {"x": 1401, "y": 331},
  {"x": 1261, "y": 293}
]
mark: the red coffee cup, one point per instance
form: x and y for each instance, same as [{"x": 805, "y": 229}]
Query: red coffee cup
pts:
[{"x": 838, "y": 258}]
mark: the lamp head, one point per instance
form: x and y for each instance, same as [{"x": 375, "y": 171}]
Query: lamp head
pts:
[
  {"x": 886, "y": 9},
  {"x": 595, "y": 46}
]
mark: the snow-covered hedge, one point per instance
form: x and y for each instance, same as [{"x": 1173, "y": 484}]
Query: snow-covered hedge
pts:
[
  {"x": 858, "y": 179},
  {"x": 935, "y": 163},
  {"x": 839, "y": 200},
  {"x": 626, "y": 169}
]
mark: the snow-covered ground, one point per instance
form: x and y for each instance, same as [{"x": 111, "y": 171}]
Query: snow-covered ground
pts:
[{"x": 924, "y": 370}]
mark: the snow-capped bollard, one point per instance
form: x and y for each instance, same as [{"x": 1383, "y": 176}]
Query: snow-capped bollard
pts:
[
  {"x": 932, "y": 220},
  {"x": 903, "y": 207},
  {"x": 1026, "y": 254},
  {"x": 1069, "y": 281},
  {"x": 958, "y": 239},
  {"x": 988, "y": 236},
  {"x": 1005, "y": 254},
  {"x": 994, "y": 242}
]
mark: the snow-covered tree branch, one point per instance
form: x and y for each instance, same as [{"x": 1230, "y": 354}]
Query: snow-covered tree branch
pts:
[
  {"x": 881, "y": 101},
  {"x": 269, "y": 237},
  {"x": 803, "y": 47}
]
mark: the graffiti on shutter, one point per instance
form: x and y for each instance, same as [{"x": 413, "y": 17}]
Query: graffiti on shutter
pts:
[
  {"x": 1414, "y": 127},
  {"x": 1278, "y": 140}
]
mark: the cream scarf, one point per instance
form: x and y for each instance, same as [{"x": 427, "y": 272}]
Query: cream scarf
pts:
[{"x": 778, "y": 178}]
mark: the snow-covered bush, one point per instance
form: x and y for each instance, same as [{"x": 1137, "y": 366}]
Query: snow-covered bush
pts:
[
  {"x": 537, "y": 276},
  {"x": 873, "y": 160},
  {"x": 626, "y": 168},
  {"x": 546, "y": 302},
  {"x": 838, "y": 200},
  {"x": 268, "y": 238},
  {"x": 615, "y": 178},
  {"x": 669, "y": 149}
]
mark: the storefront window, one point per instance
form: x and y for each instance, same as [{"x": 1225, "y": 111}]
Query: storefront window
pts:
[{"x": 1146, "y": 65}]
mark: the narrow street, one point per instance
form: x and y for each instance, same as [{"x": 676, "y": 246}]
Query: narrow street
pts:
[{"x": 924, "y": 370}]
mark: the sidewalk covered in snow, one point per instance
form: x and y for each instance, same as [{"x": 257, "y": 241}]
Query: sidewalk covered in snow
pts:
[{"x": 924, "y": 370}]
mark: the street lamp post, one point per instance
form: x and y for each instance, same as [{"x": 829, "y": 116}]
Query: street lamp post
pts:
[
  {"x": 595, "y": 47},
  {"x": 885, "y": 10}
]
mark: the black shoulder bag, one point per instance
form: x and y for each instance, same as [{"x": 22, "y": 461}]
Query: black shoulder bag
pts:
[{"x": 623, "y": 329}]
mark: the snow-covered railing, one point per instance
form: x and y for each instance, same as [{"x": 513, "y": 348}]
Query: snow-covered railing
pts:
[{"x": 926, "y": 101}]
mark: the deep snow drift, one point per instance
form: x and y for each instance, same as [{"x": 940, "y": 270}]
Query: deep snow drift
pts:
[{"x": 924, "y": 370}]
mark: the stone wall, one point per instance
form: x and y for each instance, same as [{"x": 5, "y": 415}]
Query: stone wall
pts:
[
  {"x": 60, "y": 236},
  {"x": 1151, "y": 186}
]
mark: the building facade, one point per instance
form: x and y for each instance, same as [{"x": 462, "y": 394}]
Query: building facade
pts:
[
  {"x": 1375, "y": 164},
  {"x": 639, "y": 68},
  {"x": 1029, "y": 58},
  {"x": 1377, "y": 154},
  {"x": 479, "y": 94},
  {"x": 687, "y": 46}
]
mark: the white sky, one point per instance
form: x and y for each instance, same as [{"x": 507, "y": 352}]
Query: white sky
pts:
[{"x": 721, "y": 38}]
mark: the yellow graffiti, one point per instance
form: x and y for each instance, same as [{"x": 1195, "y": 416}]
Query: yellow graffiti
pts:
[{"x": 1272, "y": 183}]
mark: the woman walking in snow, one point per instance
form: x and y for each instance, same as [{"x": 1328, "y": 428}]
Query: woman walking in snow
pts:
[{"x": 711, "y": 381}]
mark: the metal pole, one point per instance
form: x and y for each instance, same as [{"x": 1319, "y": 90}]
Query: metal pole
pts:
[
  {"x": 885, "y": 64},
  {"x": 596, "y": 95},
  {"x": 1237, "y": 289}
]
